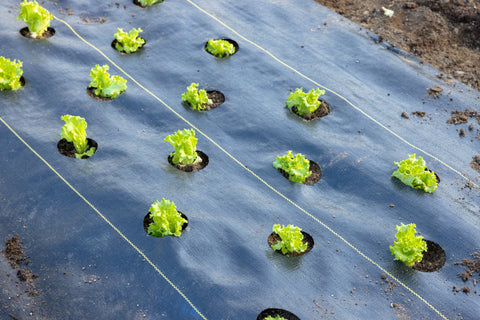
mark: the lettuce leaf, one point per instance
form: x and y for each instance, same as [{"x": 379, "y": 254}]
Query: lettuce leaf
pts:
[
  {"x": 166, "y": 219},
  {"x": 291, "y": 239},
  {"x": 185, "y": 143},
  {"x": 407, "y": 247},
  {"x": 106, "y": 86},
  {"x": 147, "y": 3},
  {"x": 297, "y": 167},
  {"x": 74, "y": 131},
  {"x": 220, "y": 48},
  {"x": 37, "y": 18},
  {"x": 196, "y": 98},
  {"x": 306, "y": 103},
  {"x": 128, "y": 42},
  {"x": 412, "y": 172},
  {"x": 277, "y": 317},
  {"x": 10, "y": 74}
]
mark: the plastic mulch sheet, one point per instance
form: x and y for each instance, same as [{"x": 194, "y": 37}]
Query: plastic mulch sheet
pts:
[{"x": 81, "y": 221}]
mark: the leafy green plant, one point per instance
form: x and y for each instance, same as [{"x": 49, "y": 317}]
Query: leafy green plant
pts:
[
  {"x": 196, "y": 98},
  {"x": 147, "y": 3},
  {"x": 10, "y": 74},
  {"x": 166, "y": 219},
  {"x": 277, "y": 317},
  {"x": 74, "y": 131},
  {"x": 220, "y": 48},
  {"x": 407, "y": 247},
  {"x": 297, "y": 167},
  {"x": 185, "y": 143},
  {"x": 291, "y": 239},
  {"x": 128, "y": 42},
  {"x": 412, "y": 173},
  {"x": 305, "y": 102},
  {"x": 37, "y": 18},
  {"x": 106, "y": 86}
]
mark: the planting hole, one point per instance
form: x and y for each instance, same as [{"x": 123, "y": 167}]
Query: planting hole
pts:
[
  {"x": 115, "y": 41},
  {"x": 273, "y": 312},
  {"x": 147, "y": 220},
  {"x": 191, "y": 167},
  {"x": 273, "y": 238},
  {"x": 91, "y": 93},
  {"x": 217, "y": 98},
  {"x": 321, "y": 112},
  {"x": 235, "y": 45},
  {"x": 47, "y": 34},
  {"x": 68, "y": 149},
  {"x": 433, "y": 259},
  {"x": 313, "y": 178}
]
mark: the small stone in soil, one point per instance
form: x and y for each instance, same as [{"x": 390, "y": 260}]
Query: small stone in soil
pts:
[
  {"x": 462, "y": 133},
  {"x": 405, "y": 115}
]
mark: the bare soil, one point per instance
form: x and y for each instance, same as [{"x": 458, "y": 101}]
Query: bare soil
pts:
[{"x": 442, "y": 33}]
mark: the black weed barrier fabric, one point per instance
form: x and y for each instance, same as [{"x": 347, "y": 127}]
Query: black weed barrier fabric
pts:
[{"x": 81, "y": 221}]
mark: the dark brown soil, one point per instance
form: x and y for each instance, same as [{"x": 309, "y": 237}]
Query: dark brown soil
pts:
[
  {"x": 68, "y": 149},
  {"x": 419, "y": 113},
  {"x": 191, "y": 167},
  {"x": 273, "y": 238},
  {"x": 277, "y": 312},
  {"x": 115, "y": 41},
  {"x": 322, "y": 111},
  {"x": 47, "y": 34},
  {"x": 433, "y": 259},
  {"x": 459, "y": 117},
  {"x": 471, "y": 267},
  {"x": 14, "y": 252},
  {"x": 475, "y": 164},
  {"x": 217, "y": 98},
  {"x": 313, "y": 178},
  {"x": 147, "y": 220},
  {"x": 91, "y": 93},
  {"x": 444, "y": 34}
]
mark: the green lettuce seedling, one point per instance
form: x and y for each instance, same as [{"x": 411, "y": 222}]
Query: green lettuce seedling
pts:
[
  {"x": 147, "y": 3},
  {"x": 306, "y": 103},
  {"x": 166, "y": 219},
  {"x": 128, "y": 42},
  {"x": 185, "y": 143},
  {"x": 220, "y": 48},
  {"x": 407, "y": 247},
  {"x": 10, "y": 74},
  {"x": 106, "y": 86},
  {"x": 412, "y": 173},
  {"x": 37, "y": 18},
  {"x": 277, "y": 317},
  {"x": 291, "y": 239},
  {"x": 196, "y": 98},
  {"x": 74, "y": 131},
  {"x": 297, "y": 167}
]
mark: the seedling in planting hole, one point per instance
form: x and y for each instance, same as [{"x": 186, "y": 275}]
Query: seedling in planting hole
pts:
[
  {"x": 305, "y": 103},
  {"x": 166, "y": 219},
  {"x": 74, "y": 131},
  {"x": 220, "y": 48},
  {"x": 106, "y": 86},
  {"x": 297, "y": 167},
  {"x": 37, "y": 18},
  {"x": 10, "y": 74},
  {"x": 185, "y": 143},
  {"x": 277, "y": 317},
  {"x": 412, "y": 172},
  {"x": 128, "y": 42},
  {"x": 407, "y": 247},
  {"x": 291, "y": 239},
  {"x": 196, "y": 98},
  {"x": 147, "y": 3}
]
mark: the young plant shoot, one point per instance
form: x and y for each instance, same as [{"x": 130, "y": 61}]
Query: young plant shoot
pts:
[
  {"x": 147, "y": 3},
  {"x": 74, "y": 131},
  {"x": 10, "y": 74},
  {"x": 277, "y": 317},
  {"x": 37, "y": 18},
  {"x": 220, "y": 48},
  {"x": 305, "y": 103},
  {"x": 166, "y": 219},
  {"x": 128, "y": 42},
  {"x": 291, "y": 239},
  {"x": 185, "y": 143},
  {"x": 196, "y": 98},
  {"x": 106, "y": 86},
  {"x": 407, "y": 247},
  {"x": 412, "y": 173},
  {"x": 297, "y": 167}
]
